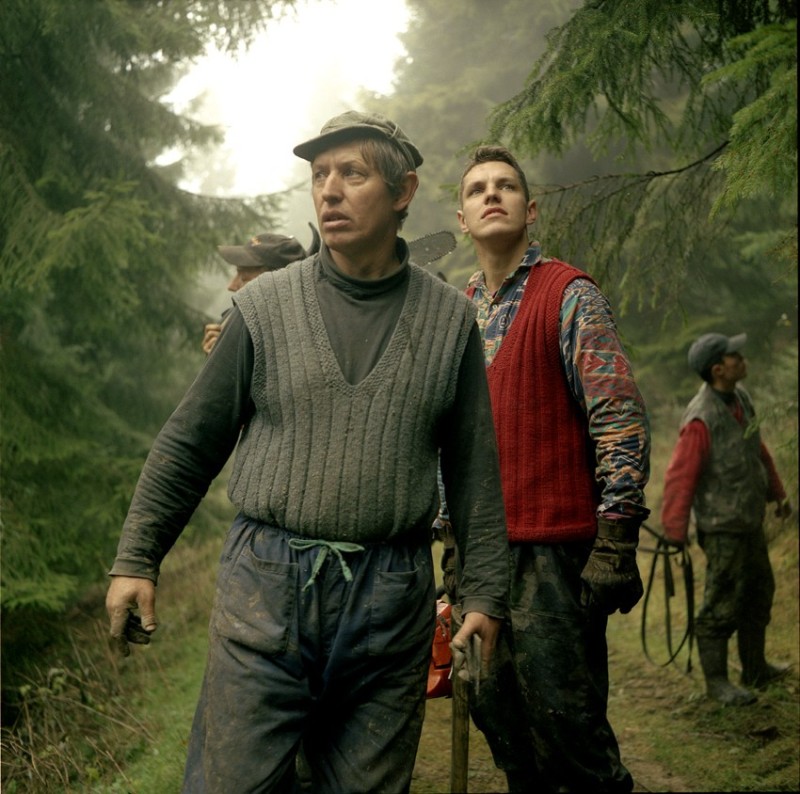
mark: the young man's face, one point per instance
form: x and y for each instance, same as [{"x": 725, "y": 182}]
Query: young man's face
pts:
[
  {"x": 354, "y": 207},
  {"x": 493, "y": 203}
]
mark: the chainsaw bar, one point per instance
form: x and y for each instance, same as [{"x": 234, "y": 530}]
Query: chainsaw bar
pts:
[{"x": 430, "y": 247}]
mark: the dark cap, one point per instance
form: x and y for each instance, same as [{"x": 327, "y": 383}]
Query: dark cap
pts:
[
  {"x": 710, "y": 348},
  {"x": 354, "y": 124},
  {"x": 270, "y": 251}
]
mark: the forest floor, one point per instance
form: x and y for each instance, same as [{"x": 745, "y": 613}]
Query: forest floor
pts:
[
  {"x": 643, "y": 697},
  {"x": 102, "y": 725},
  {"x": 672, "y": 737}
]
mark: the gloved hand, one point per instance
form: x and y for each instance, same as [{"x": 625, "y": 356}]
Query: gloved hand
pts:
[
  {"x": 611, "y": 579},
  {"x": 784, "y": 508}
]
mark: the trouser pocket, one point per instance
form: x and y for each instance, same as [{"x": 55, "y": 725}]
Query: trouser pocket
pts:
[
  {"x": 403, "y": 608},
  {"x": 256, "y": 603}
]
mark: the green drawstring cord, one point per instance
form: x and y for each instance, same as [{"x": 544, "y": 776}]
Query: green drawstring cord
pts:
[{"x": 336, "y": 546}]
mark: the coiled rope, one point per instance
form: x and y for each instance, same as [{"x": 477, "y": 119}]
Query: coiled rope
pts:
[{"x": 663, "y": 552}]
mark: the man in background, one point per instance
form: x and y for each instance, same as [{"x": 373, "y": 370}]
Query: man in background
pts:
[
  {"x": 721, "y": 469},
  {"x": 260, "y": 254},
  {"x": 574, "y": 444}
]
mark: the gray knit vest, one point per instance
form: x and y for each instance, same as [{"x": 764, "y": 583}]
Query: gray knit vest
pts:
[
  {"x": 329, "y": 460},
  {"x": 732, "y": 493}
]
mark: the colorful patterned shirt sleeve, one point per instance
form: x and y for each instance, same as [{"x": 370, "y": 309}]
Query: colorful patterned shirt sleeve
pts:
[{"x": 601, "y": 379}]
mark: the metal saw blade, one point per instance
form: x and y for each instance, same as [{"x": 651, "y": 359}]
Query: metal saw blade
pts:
[{"x": 430, "y": 247}]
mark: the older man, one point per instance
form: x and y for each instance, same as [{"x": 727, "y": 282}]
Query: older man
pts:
[
  {"x": 260, "y": 254},
  {"x": 345, "y": 373}
]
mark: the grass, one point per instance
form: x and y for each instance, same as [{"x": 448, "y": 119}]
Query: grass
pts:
[
  {"x": 89, "y": 721},
  {"x": 681, "y": 740},
  {"x": 167, "y": 695}
]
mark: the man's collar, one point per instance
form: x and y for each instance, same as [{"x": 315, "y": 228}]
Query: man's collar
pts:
[{"x": 532, "y": 257}]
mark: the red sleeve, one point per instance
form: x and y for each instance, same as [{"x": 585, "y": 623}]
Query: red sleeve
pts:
[
  {"x": 680, "y": 481},
  {"x": 775, "y": 490}
]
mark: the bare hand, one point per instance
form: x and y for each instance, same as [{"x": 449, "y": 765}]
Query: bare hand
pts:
[
  {"x": 126, "y": 593},
  {"x": 484, "y": 627},
  {"x": 212, "y": 331}
]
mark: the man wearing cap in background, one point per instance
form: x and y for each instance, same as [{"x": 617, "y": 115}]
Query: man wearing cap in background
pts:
[
  {"x": 258, "y": 255},
  {"x": 346, "y": 374},
  {"x": 722, "y": 470}
]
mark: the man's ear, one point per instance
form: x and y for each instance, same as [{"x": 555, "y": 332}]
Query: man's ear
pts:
[
  {"x": 461, "y": 222},
  {"x": 532, "y": 212},
  {"x": 407, "y": 191}
]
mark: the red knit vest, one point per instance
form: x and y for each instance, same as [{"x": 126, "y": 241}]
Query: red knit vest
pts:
[{"x": 546, "y": 455}]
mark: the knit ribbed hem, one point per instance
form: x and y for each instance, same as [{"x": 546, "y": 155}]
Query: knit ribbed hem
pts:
[{"x": 551, "y": 535}]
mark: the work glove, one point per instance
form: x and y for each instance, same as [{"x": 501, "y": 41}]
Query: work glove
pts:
[{"x": 611, "y": 579}]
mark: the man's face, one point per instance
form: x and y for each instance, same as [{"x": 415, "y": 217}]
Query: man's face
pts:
[
  {"x": 493, "y": 202},
  {"x": 732, "y": 369},
  {"x": 355, "y": 210},
  {"x": 243, "y": 275}
]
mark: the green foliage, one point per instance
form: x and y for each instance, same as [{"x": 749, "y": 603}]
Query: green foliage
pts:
[
  {"x": 711, "y": 85},
  {"x": 80, "y": 718},
  {"x": 463, "y": 59},
  {"x": 775, "y": 394},
  {"x": 639, "y": 70},
  {"x": 627, "y": 118},
  {"x": 100, "y": 251},
  {"x": 762, "y": 157}
]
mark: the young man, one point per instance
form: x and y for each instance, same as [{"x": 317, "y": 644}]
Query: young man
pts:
[
  {"x": 574, "y": 444},
  {"x": 345, "y": 373},
  {"x": 722, "y": 469},
  {"x": 258, "y": 255}
]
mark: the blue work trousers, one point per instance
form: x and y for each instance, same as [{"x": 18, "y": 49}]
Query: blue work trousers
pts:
[{"x": 324, "y": 646}]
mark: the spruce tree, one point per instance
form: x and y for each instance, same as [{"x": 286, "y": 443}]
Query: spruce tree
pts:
[{"x": 100, "y": 252}]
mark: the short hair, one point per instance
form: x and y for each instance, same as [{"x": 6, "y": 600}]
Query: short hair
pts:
[
  {"x": 392, "y": 164},
  {"x": 706, "y": 373},
  {"x": 493, "y": 154}
]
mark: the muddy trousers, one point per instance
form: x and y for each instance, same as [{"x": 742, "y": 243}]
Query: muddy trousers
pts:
[
  {"x": 739, "y": 587},
  {"x": 737, "y": 597},
  {"x": 320, "y": 646},
  {"x": 543, "y": 709}
]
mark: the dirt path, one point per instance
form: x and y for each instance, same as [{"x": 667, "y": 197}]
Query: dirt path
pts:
[
  {"x": 657, "y": 713},
  {"x": 432, "y": 771},
  {"x": 671, "y": 737}
]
